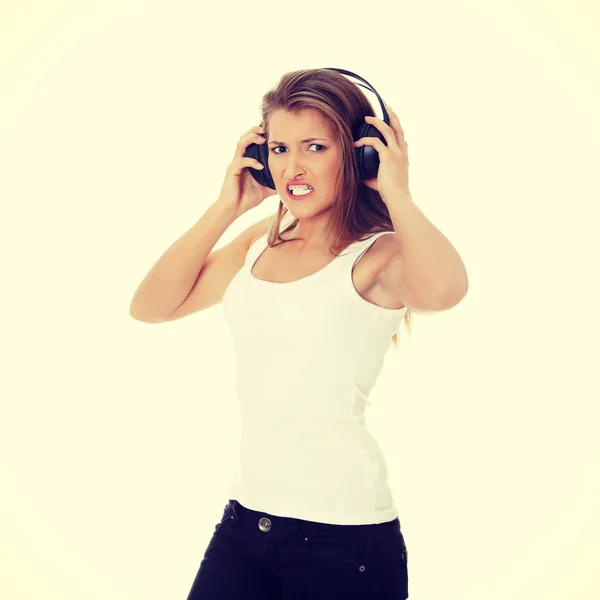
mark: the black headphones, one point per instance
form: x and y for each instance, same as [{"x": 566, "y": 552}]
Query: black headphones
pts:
[{"x": 366, "y": 156}]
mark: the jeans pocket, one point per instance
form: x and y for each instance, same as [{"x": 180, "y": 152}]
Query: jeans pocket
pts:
[{"x": 336, "y": 551}]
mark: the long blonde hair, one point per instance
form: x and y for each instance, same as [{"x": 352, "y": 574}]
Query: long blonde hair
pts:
[{"x": 358, "y": 211}]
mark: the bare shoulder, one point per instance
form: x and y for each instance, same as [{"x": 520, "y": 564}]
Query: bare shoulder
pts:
[{"x": 217, "y": 272}]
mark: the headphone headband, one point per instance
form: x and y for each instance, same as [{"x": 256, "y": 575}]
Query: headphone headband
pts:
[{"x": 386, "y": 118}]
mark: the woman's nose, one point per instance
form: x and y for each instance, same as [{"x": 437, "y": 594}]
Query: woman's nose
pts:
[{"x": 294, "y": 165}]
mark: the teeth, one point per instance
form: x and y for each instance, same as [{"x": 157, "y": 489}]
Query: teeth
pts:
[{"x": 300, "y": 190}]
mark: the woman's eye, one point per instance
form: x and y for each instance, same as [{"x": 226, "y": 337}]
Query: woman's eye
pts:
[{"x": 275, "y": 148}]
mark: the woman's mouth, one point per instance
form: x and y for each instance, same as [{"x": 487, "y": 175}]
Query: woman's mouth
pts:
[{"x": 297, "y": 192}]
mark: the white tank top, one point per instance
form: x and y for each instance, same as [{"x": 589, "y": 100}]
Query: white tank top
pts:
[{"x": 307, "y": 355}]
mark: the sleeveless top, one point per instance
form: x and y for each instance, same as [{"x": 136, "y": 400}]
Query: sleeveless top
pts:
[{"x": 307, "y": 355}]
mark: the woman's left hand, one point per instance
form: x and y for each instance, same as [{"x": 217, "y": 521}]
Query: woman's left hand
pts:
[{"x": 392, "y": 176}]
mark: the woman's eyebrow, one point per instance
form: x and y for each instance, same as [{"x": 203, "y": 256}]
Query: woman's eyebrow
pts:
[{"x": 301, "y": 141}]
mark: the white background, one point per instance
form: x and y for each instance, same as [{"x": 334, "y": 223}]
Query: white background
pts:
[{"x": 118, "y": 438}]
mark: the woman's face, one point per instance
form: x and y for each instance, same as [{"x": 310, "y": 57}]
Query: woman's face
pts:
[{"x": 315, "y": 162}]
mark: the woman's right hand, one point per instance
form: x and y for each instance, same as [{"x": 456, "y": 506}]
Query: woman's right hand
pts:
[{"x": 240, "y": 190}]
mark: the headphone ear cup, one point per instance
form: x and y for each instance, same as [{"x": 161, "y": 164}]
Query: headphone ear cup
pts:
[
  {"x": 260, "y": 152},
  {"x": 367, "y": 157}
]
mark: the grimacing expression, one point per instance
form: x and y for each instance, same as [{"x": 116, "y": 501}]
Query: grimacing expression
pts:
[{"x": 293, "y": 154}]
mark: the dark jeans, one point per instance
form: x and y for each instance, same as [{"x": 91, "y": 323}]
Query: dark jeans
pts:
[{"x": 257, "y": 556}]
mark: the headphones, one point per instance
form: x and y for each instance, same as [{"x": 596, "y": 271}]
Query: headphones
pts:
[{"x": 367, "y": 157}]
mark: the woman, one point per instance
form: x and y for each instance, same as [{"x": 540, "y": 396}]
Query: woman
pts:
[{"x": 311, "y": 514}]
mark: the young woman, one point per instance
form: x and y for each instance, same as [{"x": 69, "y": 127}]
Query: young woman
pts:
[{"x": 314, "y": 296}]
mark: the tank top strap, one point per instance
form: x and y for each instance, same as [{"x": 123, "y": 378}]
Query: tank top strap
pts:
[
  {"x": 355, "y": 250},
  {"x": 260, "y": 245},
  {"x": 255, "y": 250}
]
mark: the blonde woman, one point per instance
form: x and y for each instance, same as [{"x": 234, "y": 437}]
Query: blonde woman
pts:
[{"x": 314, "y": 296}]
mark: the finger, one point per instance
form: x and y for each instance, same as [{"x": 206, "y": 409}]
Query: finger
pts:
[
  {"x": 247, "y": 140},
  {"x": 380, "y": 124},
  {"x": 388, "y": 133},
  {"x": 394, "y": 126},
  {"x": 255, "y": 129},
  {"x": 395, "y": 122},
  {"x": 372, "y": 141}
]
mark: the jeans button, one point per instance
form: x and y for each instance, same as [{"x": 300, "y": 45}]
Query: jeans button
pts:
[{"x": 264, "y": 524}]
